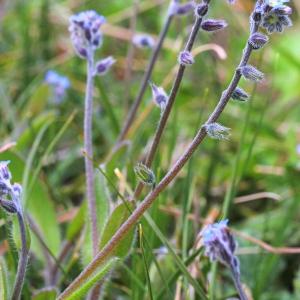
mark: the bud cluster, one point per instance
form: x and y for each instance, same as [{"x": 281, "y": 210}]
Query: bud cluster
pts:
[
  {"x": 85, "y": 32},
  {"x": 10, "y": 194},
  {"x": 220, "y": 245},
  {"x": 276, "y": 16}
]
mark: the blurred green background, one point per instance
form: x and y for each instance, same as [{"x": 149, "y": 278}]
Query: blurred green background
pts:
[{"x": 258, "y": 169}]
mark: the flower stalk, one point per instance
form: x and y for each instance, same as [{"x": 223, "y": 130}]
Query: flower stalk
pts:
[
  {"x": 88, "y": 146},
  {"x": 23, "y": 259},
  {"x": 133, "y": 110}
]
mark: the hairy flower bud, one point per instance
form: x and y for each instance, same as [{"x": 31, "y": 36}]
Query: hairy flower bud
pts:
[
  {"x": 177, "y": 9},
  {"x": 201, "y": 10},
  {"x": 216, "y": 131},
  {"x": 186, "y": 58},
  {"x": 239, "y": 95},
  {"x": 159, "y": 95},
  {"x": 282, "y": 10},
  {"x": 143, "y": 41},
  {"x": 145, "y": 174},
  {"x": 103, "y": 65},
  {"x": 251, "y": 73},
  {"x": 213, "y": 25},
  {"x": 8, "y": 206},
  {"x": 257, "y": 40},
  {"x": 4, "y": 171}
]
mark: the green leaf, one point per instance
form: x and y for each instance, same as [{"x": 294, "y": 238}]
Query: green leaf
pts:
[
  {"x": 45, "y": 294},
  {"x": 117, "y": 160},
  {"x": 117, "y": 218},
  {"x": 3, "y": 280},
  {"x": 92, "y": 280},
  {"x": 37, "y": 102},
  {"x": 28, "y": 136},
  {"x": 77, "y": 223}
]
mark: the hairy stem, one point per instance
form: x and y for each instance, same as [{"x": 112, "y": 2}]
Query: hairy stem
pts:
[
  {"x": 105, "y": 253},
  {"x": 238, "y": 284},
  {"x": 89, "y": 169},
  {"x": 133, "y": 110},
  {"x": 23, "y": 259},
  {"x": 164, "y": 117}
]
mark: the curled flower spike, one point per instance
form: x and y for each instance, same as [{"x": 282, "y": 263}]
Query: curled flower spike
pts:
[
  {"x": 251, "y": 73},
  {"x": 217, "y": 131},
  {"x": 186, "y": 58},
  {"x": 275, "y": 18},
  {"x": 85, "y": 32},
  {"x": 177, "y": 9},
  {"x": 145, "y": 174},
  {"x": 220, "y": 246},
  {"x": 213, "y": 25},
  {"x": 143, "y": 41},
  {"x": 58, "y": 83},
  {"x": 219, "y": 243},
  {"x": 240, "y": 95},
  {"x": 10, "y": 194},
  {"x": 160, "y": 97},
  {"x": 103, "y": 65}
]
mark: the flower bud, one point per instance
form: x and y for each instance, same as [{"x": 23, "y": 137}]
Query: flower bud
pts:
[
  {"x": 257, "y": 40},
  {"x": 213, "y": 25},
  {"x": 4, "y": 171},
  {"x": 159, "y": 95},
  {"x": 17, "y": 189},
  {"x": 216, "y": 131},
  {"x": 251, "y": 73},
  {"x": 145, "y": 174},
  {"x": 282, "y": 10},
  {"x": 185, "y": 58},
  {"x": 104, "y": 65},
  {"x": 239, "y": 95},
  {"x": 257, "y": 15},
  {"x": 8, "y": 206},
  {"x": 177, "y": 9},
  {"x": 143, "y": 41},
  {"x": 201, "y": 10}
]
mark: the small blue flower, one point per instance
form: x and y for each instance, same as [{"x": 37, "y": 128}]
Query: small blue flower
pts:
[{"x": 58, "y": 83}]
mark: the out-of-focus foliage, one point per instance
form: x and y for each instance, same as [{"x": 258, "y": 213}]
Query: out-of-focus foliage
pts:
[{"x": 263, "y": 151}]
